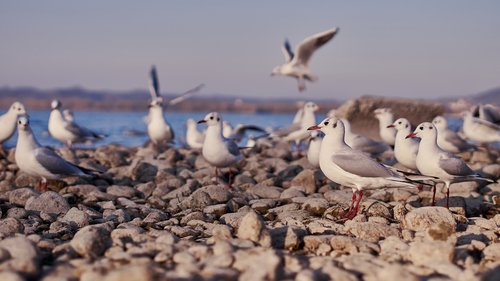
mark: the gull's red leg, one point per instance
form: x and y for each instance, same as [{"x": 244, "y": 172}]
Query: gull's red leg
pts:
[
  {"x": 447, "y": 198},
  {"x": 357, "y": 203},
  {"x": 434, "y": 195}
]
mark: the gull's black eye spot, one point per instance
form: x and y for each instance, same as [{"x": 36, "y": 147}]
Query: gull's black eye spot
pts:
[
  {"x": 19, "y": 122},
  {"x": 211, "y": 118},
  {"x": 218, "y": 119},
  {"x": 430, "y": 127},
  {"x": 326, "y": 123},
  {"x": 400, "y": 122},
  {"x": 421, "y": 128},
  {"x": 335, "y": 125},
  {"x": 406, "y": 126}
]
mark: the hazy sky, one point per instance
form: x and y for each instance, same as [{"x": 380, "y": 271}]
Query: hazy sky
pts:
[{"x": 391, "y": 48}]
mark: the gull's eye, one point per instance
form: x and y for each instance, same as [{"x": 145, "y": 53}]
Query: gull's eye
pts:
[
  {"x": 19, "y": 122},
  {"x": 211, "y": 118},
  {"x": 421, "y": 128},
  {"x": 218, "y": 119},
  {"x": 335, "y": 125},
  {"x": 326, "y": 123},
  {"x": 406, "y": 126},
  {"x": 400, "y": 122},
  {"x": 430, "y": 127}
]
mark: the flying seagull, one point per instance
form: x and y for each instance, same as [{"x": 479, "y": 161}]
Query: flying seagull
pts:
[{"x": 297, "y": 63}]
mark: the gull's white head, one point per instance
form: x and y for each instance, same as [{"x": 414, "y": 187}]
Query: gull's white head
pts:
[
  {"x": 311, "y": 106},
  {"x": 190, "y": 122},
  {"x": 401, "y": 124},
  {"x": 440, "y": 122},
  {"x": 23, "y": 123},
  {"x": 156, "y": 103},
  {"x": 212, "y": 119},
  {"x": 424, "y": 131},
  {"x": 18, "y": 109},
  {"x": 55, "y": 104},
  {"x": 383, "y": 113},
  {"x": 330, "y": 126}
]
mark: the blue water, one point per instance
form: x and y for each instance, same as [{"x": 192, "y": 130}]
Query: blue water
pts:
[{"x": 117, "y": 125}]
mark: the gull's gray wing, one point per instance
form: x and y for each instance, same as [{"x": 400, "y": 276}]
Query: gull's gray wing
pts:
[
  {"x": 455, "y": 166},
  {"x": 154, "y": 84},
  {"x": 232, "y": 147},
  {"x": 357, "y": 163},
  {"x": 487, "y": 123},
  {"x": 54, "y": 163},
  {"x": 286, "y": 131},
  {"x": 307, "y": 47},
  {"x": 74, "y": 129},
  {"x": 490, "y": 113},
  {"x": 287, "y": 51},
  {"x": 184, "y": 96}
]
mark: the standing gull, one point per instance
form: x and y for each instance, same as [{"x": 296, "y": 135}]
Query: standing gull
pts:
[
  {"x": 39, "y": 161},
  {"x": 362, "y": 143},
  {"x": 386, "y": 118},
  {"x": 297, "y": 64},
  {"x": 66, "y": 131},
  {"x": 352, "y": 168},
  {"x": 218, "y": 150},
  {"x": 435, "y": 162},
  {"x": 308, "y": 120},
  {"x": 405, "y": 149},
  {"x": 314, "y": 147},
  {"x": 480, "y": 130},
  {"x": 447, "y": 139},
  {"x": 194, "y": 138},
  {"x": 8, "y": 121}
]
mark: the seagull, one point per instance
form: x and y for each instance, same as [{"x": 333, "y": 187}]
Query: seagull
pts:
[
  {"x": 308, "y": 120},
  {"x": 238, "y": 133},
  {"x": 487, "y": 112},
  {"x": 480, "y": 130},
  {"x": 68, "y": 132},
  {"x": 314, "y": 148},
  {"x": 9, "y": 120},
  {"x": 160, "y": 132},
  {"x": 405, "y": 149},
  {"x": 68, "y": 115},
  {"x": 363, "y": 143},
  {"x": 297, "y": 64},
  {"x": 39, "y": 161},
  {"x": 217, "y": 150},
  {"x": 386, "y": 118},
  {"x": 435, "y": 162},
  {"x": 447, "y": 139},
  {"x": 194, "y": 138},
  {"x": 296, "y": 123},
  {"x": 350, "y": 167}
]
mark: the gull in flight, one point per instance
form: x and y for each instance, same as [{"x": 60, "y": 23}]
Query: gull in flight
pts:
[
  {"x": 160, "y": 132},
  {"x": 39, "y": 161},
  {"x": 296, "y": 65},
  {"x": 435, "y": 162},
  {"x": 8, "y": 121},
  {"x": 67, "y": 131},
  {"x": 219, "y": 151},
  {"x": 352, "y": 168}
]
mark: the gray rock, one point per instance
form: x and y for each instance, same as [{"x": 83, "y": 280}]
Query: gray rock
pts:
[
  {"x": 257, "y": 264},
  {"x": 422, "y": 218},
  {"x": 306, "y": 179},
  {"x": 218, "y": 209},
  {"x": 198, "y": 200},
  {"x": 287, "y": 237},
  {"x": 143, "y": 171},
  {"x": 91, "y": 241},
  {"x": 24, "y": 256},
  {"x": 17, "y": 213},
  {"x": 49, "y": 202},
  {"x": 121, "y": 191},
  {"x": 10, "y": 226},
  {"x": 218, "y": 193},
  {"x": 428, "y": 252},
  {"x": 83, "y": 190},
  {"x": 131, "y": 273},
  {"x": 371, "y": 231},
  {"x": 318, "y": 244},
  {"x": 76, "y": 218},
  {"x": 146, "y": 189},
  {"x": 253, "y": 228},
  {"x": 267, "y": 192},
  {"x": 349, "y": 245},
  {"x": 492, "y": 252},
  {"x": 10, "y": 276},
  {"x": 21, "y": 195},
  {"x": 155, "y": 217},
  {"x": 395, "y": 272},
  {"x": 291, "y": 192},
  {"x": 315, "y": 206}
]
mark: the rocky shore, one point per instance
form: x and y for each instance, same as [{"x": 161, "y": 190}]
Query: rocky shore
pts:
[{"x": 167, "y": 218}]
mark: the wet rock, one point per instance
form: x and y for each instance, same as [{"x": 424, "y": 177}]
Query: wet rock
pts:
[
  {"x": 422, "y": 218},
  {"x": 76, "y": 218},
  {"x": 10, "y": 226},
  {"x": 253, "y": 228},
  {"x": 91, "y": 241},
  {"x": 21, "y": 195},
  {"x": 49, "y": 202}
]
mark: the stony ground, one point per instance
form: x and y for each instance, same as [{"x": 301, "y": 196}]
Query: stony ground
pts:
[{"x": 167, "y": 219}]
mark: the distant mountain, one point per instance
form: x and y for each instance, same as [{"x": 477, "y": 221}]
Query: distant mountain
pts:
[
  {"x": 78, "y": 98},
  {"x": 489, "y": 96}
]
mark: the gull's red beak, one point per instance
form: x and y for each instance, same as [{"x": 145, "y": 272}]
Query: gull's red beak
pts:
[
  {"x": 313, "y": 128},
  {"x": 412, "y": 135},
  {"x": 202, "y": 121},
  {"x": 391, "y": 126}
]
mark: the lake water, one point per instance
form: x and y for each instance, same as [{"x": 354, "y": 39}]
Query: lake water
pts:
[{"x": 119, "y": 125}]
